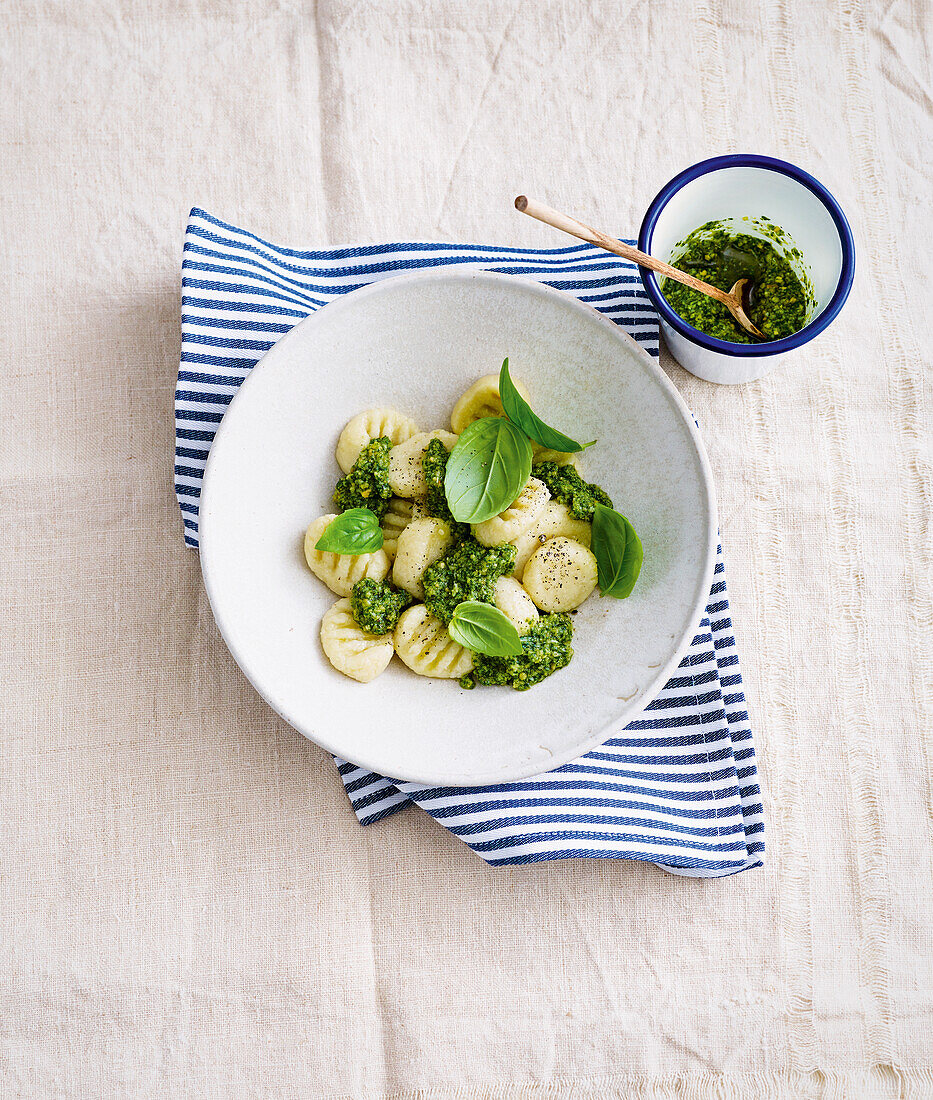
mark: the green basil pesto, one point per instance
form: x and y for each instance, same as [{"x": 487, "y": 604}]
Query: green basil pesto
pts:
[
  {"x": 467, "y": 572},
  {"x": 375, "y": 606},
  {"x": 434, "y": 465},
  {"x": 780, "y": 301},
  {"x": 546, "y": 649},
  {"x": 567, "y": 487},
  {"x": 367, "y": 483}
]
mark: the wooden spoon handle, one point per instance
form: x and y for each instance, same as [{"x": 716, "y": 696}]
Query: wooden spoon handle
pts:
[{"x": 575, "y": 228}]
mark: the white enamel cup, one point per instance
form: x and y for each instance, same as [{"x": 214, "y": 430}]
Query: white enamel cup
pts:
[{"x": 725, "y": 189}]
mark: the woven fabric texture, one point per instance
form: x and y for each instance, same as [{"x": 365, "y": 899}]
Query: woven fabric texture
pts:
[{"x": 188, "y": 905}]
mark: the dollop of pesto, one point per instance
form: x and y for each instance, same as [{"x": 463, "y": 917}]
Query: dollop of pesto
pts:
[
  {"x": 434, "y": 465},
  {"x": 469, "y": 571},
  {"x": 367, "y": 483},
  {"x": 779, "y": 300},
  {"x": 546, "y": 648},
  {"x": 567, "y": 487},
  {"x": 376, "y": 606}
]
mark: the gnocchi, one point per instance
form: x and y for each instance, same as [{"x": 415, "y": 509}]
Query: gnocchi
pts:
[
  {"x": 446, "y": 565},
  {"x": 406, "y": 477},
  {"x": 350, "y": 649},
  {"x": 340, "y": 572},
  {"x": 371, "y": 425},
  {"x": 421, "y": 543},
  {"x": 560, "y": 575},
  {"x": 481, "y": 399},
  {"x": 422, "y": 642},
  {"x": 515, "y": 603},
  {"x": 554, "y": 520},
  {"x": 398, "y": 515},
  {"x": 559, "y": 458},
  {"x": 518, "y": 518}
]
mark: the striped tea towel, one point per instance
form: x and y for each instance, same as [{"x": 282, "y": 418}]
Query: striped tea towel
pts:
[{"x": 678, "y": 787}]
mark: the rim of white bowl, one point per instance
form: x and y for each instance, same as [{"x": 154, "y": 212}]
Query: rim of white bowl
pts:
[
  {"x": 772, "y": 164},
  {"x": 663, "y": 674}
]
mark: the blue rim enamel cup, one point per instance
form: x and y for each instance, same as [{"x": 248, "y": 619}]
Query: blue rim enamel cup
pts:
[{"x": 728, "y": 189}]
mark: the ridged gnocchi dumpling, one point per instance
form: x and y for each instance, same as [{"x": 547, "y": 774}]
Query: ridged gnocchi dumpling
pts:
[
  {"x": 406, "y": 476},
  {"x": 560, "y": 575},
  {"x": 371, "y": 425},
  {"x": 349, "y": 648},
  {"x": 422, "y": 642},
  {"x": 519, "y": 517},
  {"x": 340, "y": 572},
  {"x": 515, "y": 603},
  {"x": 481, "y": 399},
  {"x": 554, "y": 520},
  {"x": 398, "y": 515},
  {"x": 421, "y": 543}
]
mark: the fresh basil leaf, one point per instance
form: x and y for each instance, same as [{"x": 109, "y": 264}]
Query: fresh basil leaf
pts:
[
  {"x": 355, "y": 531},
  {"x": 487, "y": 469},
  {"x": 519, "y": 412},
  {"x": 483, "y": 628},
  {"x": 618, "y": 552}
]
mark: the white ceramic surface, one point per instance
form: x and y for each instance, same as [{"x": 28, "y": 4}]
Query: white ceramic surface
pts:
[
  {"x": 416, "y": 342},
  {"x": 729, "y": 193}
]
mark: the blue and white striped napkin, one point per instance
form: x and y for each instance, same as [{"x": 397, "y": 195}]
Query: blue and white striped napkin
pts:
[{"x": 678, "y": 787}]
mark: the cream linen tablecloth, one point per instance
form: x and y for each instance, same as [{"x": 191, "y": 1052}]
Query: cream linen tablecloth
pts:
[{"x": 188, "y": 905}]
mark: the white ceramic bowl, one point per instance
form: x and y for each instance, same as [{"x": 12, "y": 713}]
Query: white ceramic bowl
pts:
[
  {"x": 732, "y": 187},
  {"x": 417, "y": 342}
]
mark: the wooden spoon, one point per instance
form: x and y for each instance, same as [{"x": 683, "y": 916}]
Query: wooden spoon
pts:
[{"x": 735, "y": 300}]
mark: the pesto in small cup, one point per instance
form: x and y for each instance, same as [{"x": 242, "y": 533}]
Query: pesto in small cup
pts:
[{"x": 721, "y": 254}]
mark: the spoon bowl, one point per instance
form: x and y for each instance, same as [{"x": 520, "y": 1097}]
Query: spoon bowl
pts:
[{"x": 741, "y": 294}]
